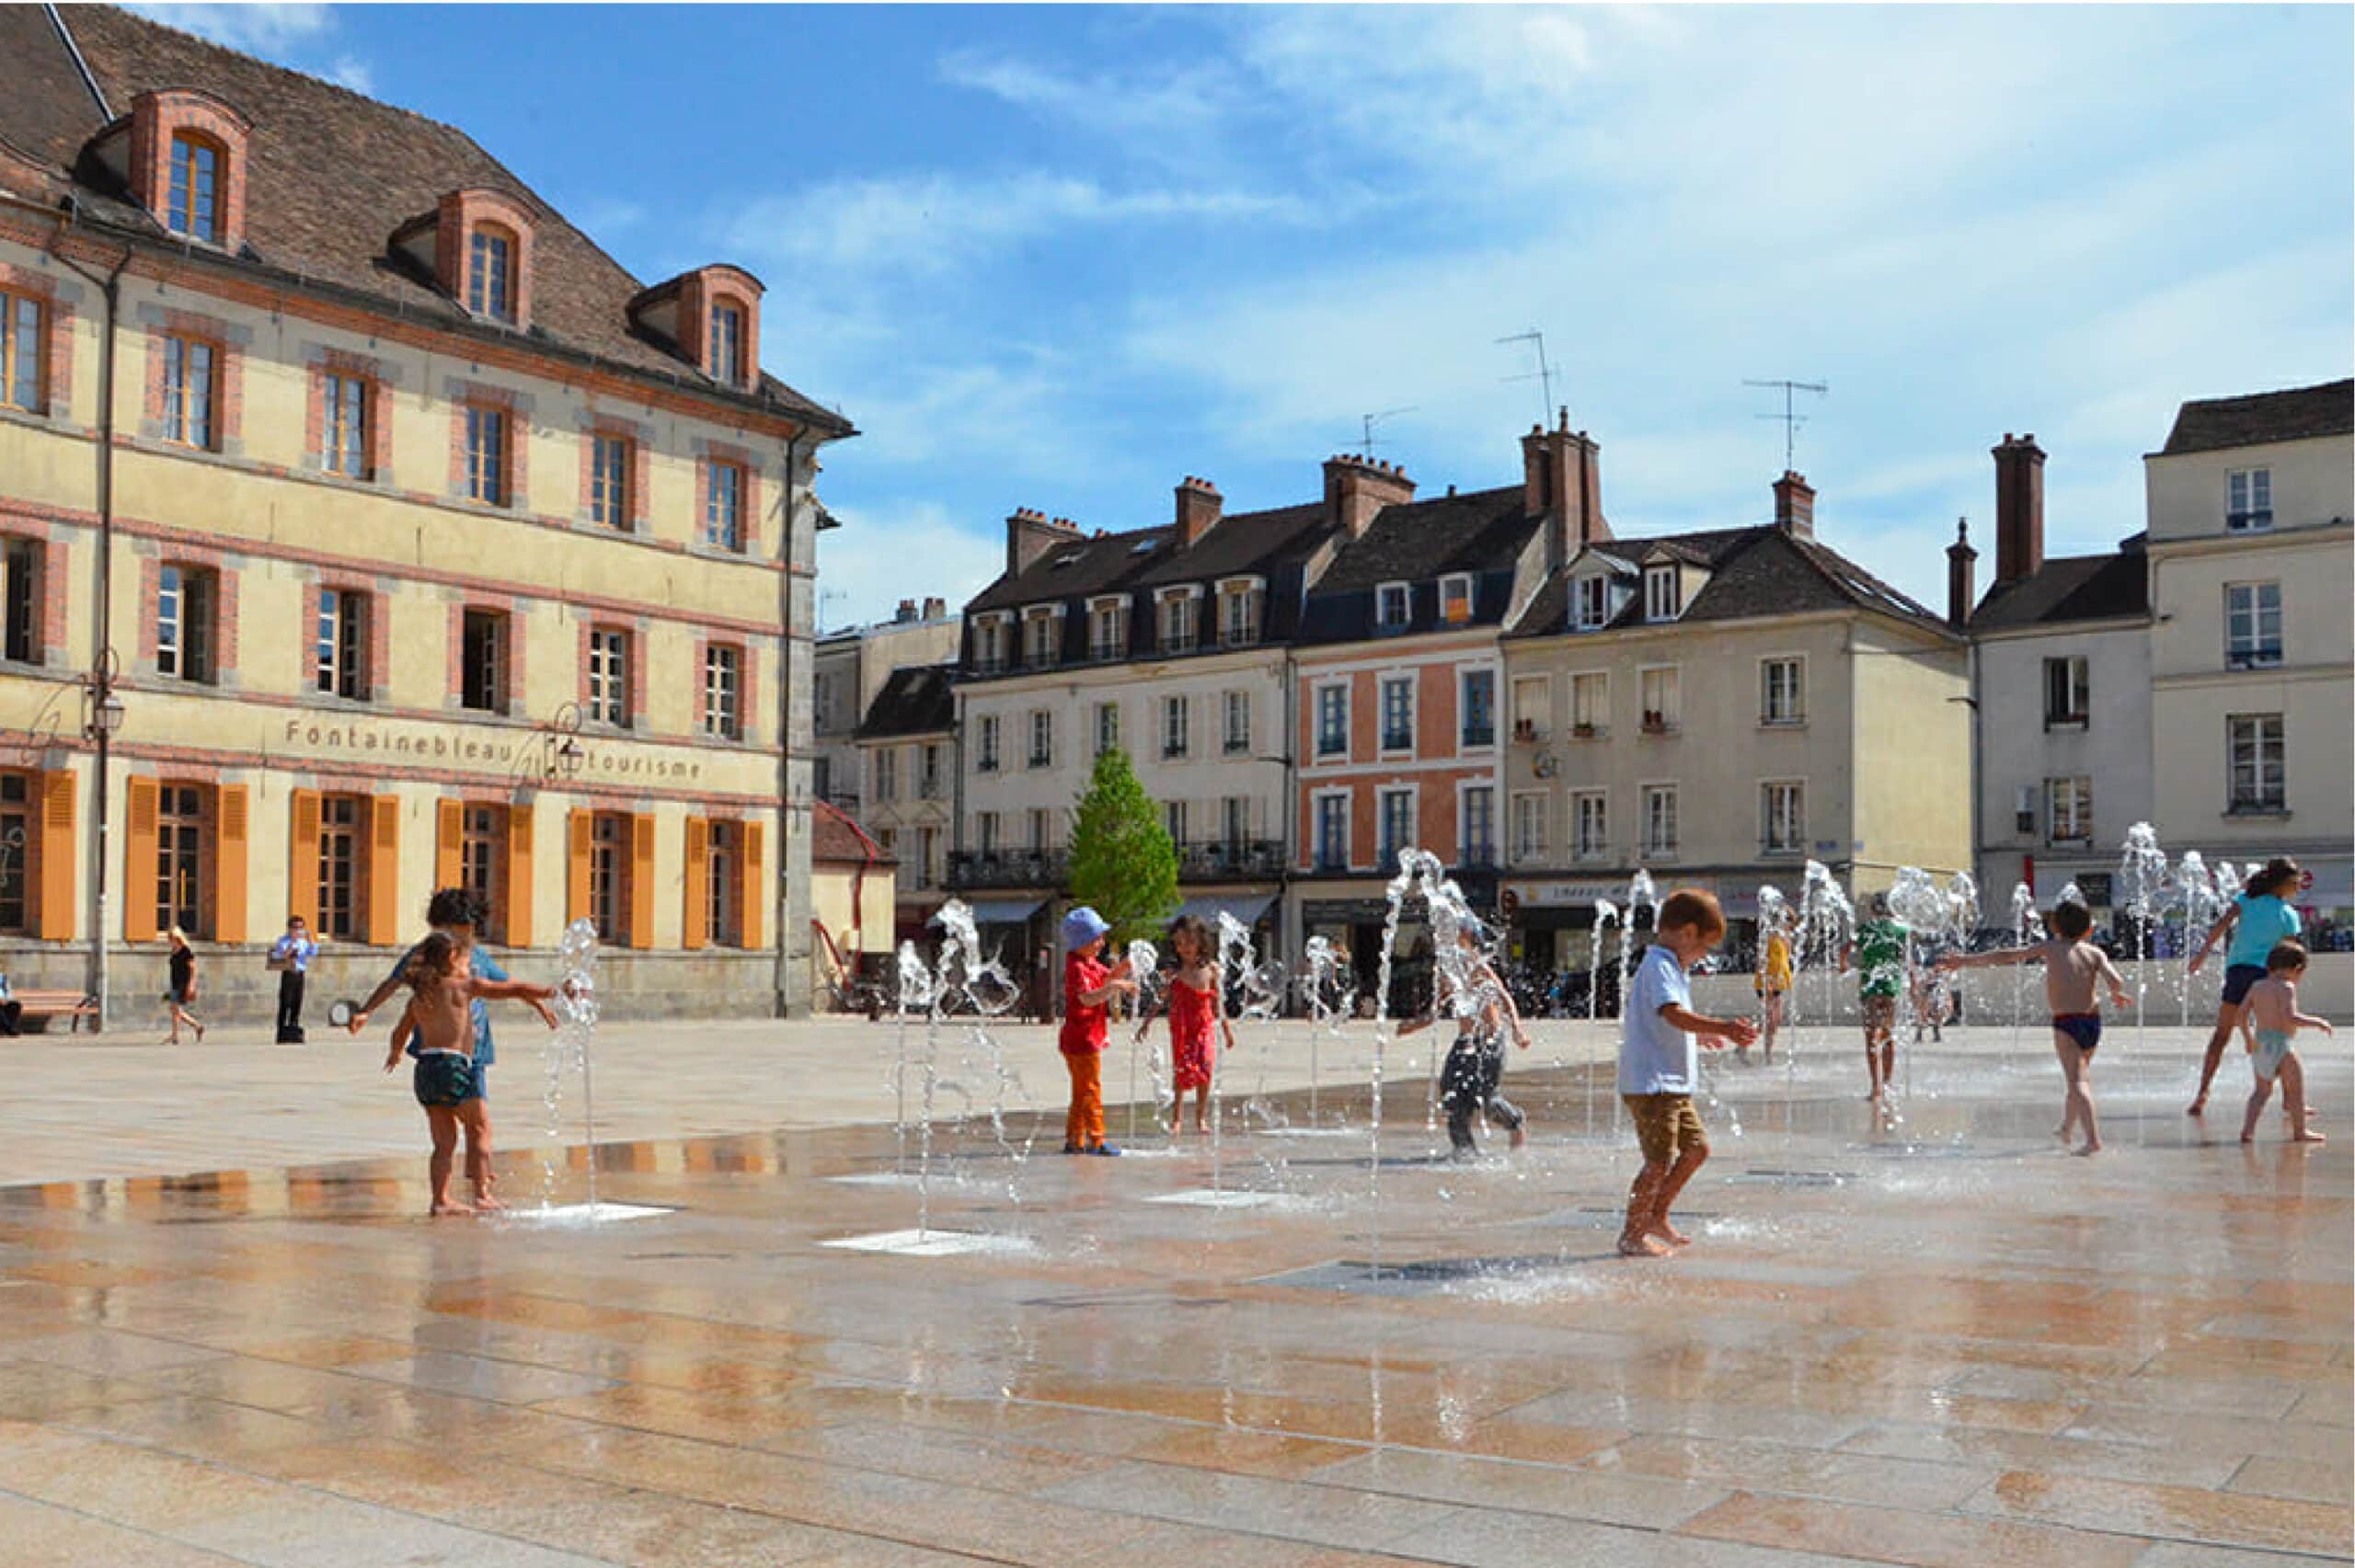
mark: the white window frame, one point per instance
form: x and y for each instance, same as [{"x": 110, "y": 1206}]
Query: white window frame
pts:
[
  {"x": 1234, "y": 821},
  {"x": 987, "y": 756},
  {"x": 610, "y": 650},
  {"x": 1108, "y": 628},
  {"x": 1041, "y": 754},
  {"x": 1176, "y": 616},
  {"x": 1456, "y": 589},
  {"x": 1671, "y": 713},
  {"x": 1318, "y": 800},
  {"x": 1385, "y": 853},
  {"x": 2268, "y": 763},
  {"x": 1046, "y": 657},
  {"x": 1599, "y": 722},
  {"x": 340, "y": 652},
  {"x": 1177, "y": 728},
  {"x": 1239, "y": 602},
  {"x": 1664, "y": 593},
  {"x": 992, "y": 635},
  {"x": 1173, "y": 822},
  {"x": 1107, "y": 735},
  {"x": 1772, "y": 796},
  {"x": 723, "y": 690},
  {"x": 1589, "y": 809},
  {"x": 1527, "y": 726},
  {"x": 1591, "y": 616},
  {"x": 2248, "y": 500},
  {"x": 2069, "y": 810},
  {"x": 985, "y": 833},
  {"x": 1383, "y": 619},
  {"x": 1316, "y": 740},
  {"x": 1528, "y": 807},
  {"x": 1648, "y": 796},
  {"x": 1235, "y": 741},
  {"x": 1382, "y": 685},
  {"x": 2077, "y": 670},
  {"x": 887, "y": 773},
  {"x": 1466, "y": 850},
  {"x": 1794, "y": 714},
  {"x": 2245, "y": 603},
  {"x": 1464, "y": 679}
]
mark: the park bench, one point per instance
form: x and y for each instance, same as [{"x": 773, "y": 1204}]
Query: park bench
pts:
[{"x": 46, "y": 1005}]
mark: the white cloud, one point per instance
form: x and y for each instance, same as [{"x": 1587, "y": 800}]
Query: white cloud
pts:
[
  {"x": 259, "y": 29},
  {"x": 887, "y": 551},
  {"x": 352, "y": 72}
]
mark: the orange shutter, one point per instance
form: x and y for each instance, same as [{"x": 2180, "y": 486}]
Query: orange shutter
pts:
[
  {"x": 302, "y": 858},
  {"x": 53, "y": 858},
  {"x": 138, "y": 861},
  {"x": 576, "y": 867},
  {"x": 234, "y": 813},
  {"x": 519, "y": 876},
  {"x": 697, "y": 928},
  {"x": 384, "y": 870},
  {"x": 752, "y": 888},
  {"x": 449, "y": 833},
  {"x": 642, "y": 881}
]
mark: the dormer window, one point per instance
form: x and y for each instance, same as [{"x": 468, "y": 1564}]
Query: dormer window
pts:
[
  {"x": 1591, "y": 608},
  {"x": 1392, "y": 604},
  {"x": 989, "y": 644},
  {"x": 726, "y": 342},
  {"x": 1238, "y": 612},
  {"x": 478, "y": 242},
  {"x": 1107, "y": 629},
  {"x": 1664, "y": 593},
  {"x": 1455, "y": 599},
  {"x": 193, "y": 207},
  {"x": 1039, "y": 636},
  {"x": 490, "y": 273},
  {"x": 712, "y": 318},
  {"x": 1178, "y": 621},
  {"x": 181, "y": 151}
]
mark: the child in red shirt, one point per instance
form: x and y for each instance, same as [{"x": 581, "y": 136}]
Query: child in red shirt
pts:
[{"x": 1088, "y": 986}]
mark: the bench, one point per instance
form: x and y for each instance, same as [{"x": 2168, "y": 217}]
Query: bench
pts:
[{"x": 46, "y": 1005}]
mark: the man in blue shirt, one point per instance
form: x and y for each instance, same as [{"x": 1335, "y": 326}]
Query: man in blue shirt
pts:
[{"x": 291, "y": 955}]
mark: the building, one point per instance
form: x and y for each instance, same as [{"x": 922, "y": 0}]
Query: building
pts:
[
  {"x": 852, "y": 890},
  {"x": 367, "y": 529},
  {"x": 2250, "y": 551},
  {"x": 908, "y": 756},
  {"x": 851, "y": 669},
  {"x": 1720, "y": 707}
]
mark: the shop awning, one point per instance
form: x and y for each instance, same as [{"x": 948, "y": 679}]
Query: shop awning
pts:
[
  {"x": 1000, "y": 911},
  {"x": 1246, "y": 908}
]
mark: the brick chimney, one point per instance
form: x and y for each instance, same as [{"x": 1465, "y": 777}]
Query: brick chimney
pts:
[
  {"x": 936, "y": 609},
  {"x": 1199, "y": 503},
  {"x": 2019, "y": 507},
  {"x": 1356, "y": 489},
  {"x": 905, "y": 613},
  {"x": 1962, "y": 570},
  {"x": 1795, "y": 505},
  {"x": 1030, "y": 533},
  {"x": 1562, "y": 480}
]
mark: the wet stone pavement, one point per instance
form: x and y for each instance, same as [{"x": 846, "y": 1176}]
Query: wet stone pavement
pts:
[{"x": 1938, "y": 1341}]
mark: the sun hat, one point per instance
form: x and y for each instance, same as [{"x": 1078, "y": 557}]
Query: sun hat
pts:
[{"x": 1082, "y": 926}]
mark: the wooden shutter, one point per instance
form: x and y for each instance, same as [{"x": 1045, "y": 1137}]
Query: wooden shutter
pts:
[
  {"x": 518, "y": 891},
  {"x": 576, "y": 866},
  {"x": 52, "y": 880},
  {"x": 751, "y": 889},
  {"x": 641, "y": 880},
  {"x": 302, "y": 858},
  {"x": 697, "y": 928},
  {"x": 138, "y": 861},
  {"x": 449, "y": 842},
  {"x": 233, "y": 819},
  {"x": 383, "y": 870}
]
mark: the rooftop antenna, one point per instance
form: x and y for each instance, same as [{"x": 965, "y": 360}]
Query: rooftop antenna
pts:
[
  {"x": 1790, "y": 416},
  {"x": 1366, "y": 443},
  {"x": 1543, "y": 375}
]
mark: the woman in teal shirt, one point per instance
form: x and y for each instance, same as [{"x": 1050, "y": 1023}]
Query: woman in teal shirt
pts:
[{"x": 2260, "y": 917}]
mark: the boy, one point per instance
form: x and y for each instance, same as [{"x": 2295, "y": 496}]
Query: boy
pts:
[
  {"x": 2269, "y": 1020},
  {"x": 291, "y": 955},
  {"x": 2072, "y": 966},
  {"x": 1659, "y": 1069},
  {"x": 1475, "y": 1063},
  {"x": 444, "y": 993},
  {"x": 1088, "y": 989},
  {"x": 1877, "y": 953}
]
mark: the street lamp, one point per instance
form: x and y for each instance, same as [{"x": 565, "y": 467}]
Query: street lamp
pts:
[
  {"x": 560, "y": 747},
  {"x": 102, "y": 714}
]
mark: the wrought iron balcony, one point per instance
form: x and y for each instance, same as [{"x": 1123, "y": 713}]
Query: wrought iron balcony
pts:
[
  {"x": 1249, "y": 859},
  {"x": 1006, "y": 868},
  {"x": 1479, "y": 735}
]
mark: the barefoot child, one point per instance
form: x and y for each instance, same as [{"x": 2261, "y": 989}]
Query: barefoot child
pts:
[
  {"x": 1475, "y": 1069},
  {"x": 1659, "y": 1069},
  {"x": 2269, "y": 1020},
  {"x": 2071, "y": 966},
  {"x": 1197, "y": 1017},
  {"x": 1088, "y": 989},
  {"x": 1772, "y": 983},
  {"x": 440, "y": 1013},
  {"x": 1878, "y": 955},
  {"x": 2258, "y": 919}
]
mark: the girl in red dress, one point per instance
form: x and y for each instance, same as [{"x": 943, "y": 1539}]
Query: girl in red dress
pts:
[{"x": 1196, "y": 1017}]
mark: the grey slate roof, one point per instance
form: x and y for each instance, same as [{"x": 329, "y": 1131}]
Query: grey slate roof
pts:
[
  {"x": 2115, "y": 587},
  {"x": 2302, "y": 413},
  {"x": 1481, "y": 535},
  {"x": 1241, "y": 542},
  {"x": 916, "y": 700}
]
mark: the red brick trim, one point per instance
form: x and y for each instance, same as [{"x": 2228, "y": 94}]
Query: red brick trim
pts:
[
  {"x": 457, "y": 217},
  {"x": 699, "y": 291},
  {"x": 748, "y": 465},
  {"x": 635, "y": 518},
  {"x": 377, "y": 438},
  {"x": 229, "y": 376},
  {"x": 156, "y": 118},
  {"x": 55, "y": 381},
  {"x": 225, "y": 606},
  {"x": 478, "y": 395}
]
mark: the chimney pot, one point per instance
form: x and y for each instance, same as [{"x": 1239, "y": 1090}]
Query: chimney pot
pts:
[
  {"x": 1356, "y": 488},
  {"x": 1562, "y": 482},
  {"x": 2020, "y": 508},
  {"x": 1962, "y": 567},
  {"x": 1198, "y": 506},
  {"x": 1795, "y": 505},
  {"x": 935, "y": 608}
]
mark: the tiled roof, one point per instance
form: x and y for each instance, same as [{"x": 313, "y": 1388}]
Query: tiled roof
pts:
[
  {"x": 834, "y": 840},
  {"x": 916, "y": 700},
  {"x": 1148, "y": 557},
  {"x": 2115, "y": 587},
  {"x": 331, "y": 174},
  {"x": 2302, "y": 413},
  {"x": 1424, "y": 540}
]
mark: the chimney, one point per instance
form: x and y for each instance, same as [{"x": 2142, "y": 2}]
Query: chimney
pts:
[
  {"x": 1795, "y": 505},
  {"x": 1029, "y": 535},
  {"x": 1356, "y": 489},
  {"x": 906, "y": 613},
  {"x": 2020, "y": 508},
  {"x": 1562, "y": 481},
  {"x": 1198, "y": 510},
  {"x": 1962, "y": 568},
  {"x": 936, "y": 609}
]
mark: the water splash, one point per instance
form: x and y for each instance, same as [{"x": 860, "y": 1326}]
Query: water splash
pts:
[
  {"x": 1329, "y": 994},
  {"x": 2142, "y": 884},
  {"x": 1145, "y": 968},
  {"x": 1605, "y": 913},
  {"x": 2203, "y": 901},
  {"x": 2027, "y": 929},
  {"x": 577, "y": 1011}
]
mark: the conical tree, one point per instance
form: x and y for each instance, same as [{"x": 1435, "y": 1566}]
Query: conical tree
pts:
[{"x": 1121, "y": 860}]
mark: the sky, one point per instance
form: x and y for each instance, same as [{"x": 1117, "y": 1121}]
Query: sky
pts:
[{"x": 1063, "y": 257}]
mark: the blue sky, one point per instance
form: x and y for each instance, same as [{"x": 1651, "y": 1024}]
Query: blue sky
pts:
[{"x": 1061, "y": 258}]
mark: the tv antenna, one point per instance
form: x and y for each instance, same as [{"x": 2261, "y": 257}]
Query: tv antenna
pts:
[
  {"x": 1543, "y": 375},
  {"x": 1366, "y": 442},
  {"x": 1790, "y": 416}
]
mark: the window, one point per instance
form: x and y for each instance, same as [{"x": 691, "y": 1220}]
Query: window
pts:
[
  {"x": 1042, "y": 737},
  {"x": 1234, "y": 821},
  {"x": 1332, "y": 721},
  {"x": 482, "y": 652},
  {"x": 723, "y": 685},
  {"x": 2069, "y": 811},
  {"x": 1397, "y": 713},
  {"x": 1239, "y": 723},
  {"x": 1479, "y": 826},
  {"x": 821, "y": 777},
  {"x": 609, "y": 857},
  {"x": 1397, "y": 825},
  {"x": 188, "y": 392},
  {"x": 1174, "y": 719},
  {"x": 927, "y": 857},
  {"x": 727, "y": 343},
  {"x": 1042, "y": 831},
  {"x": 1591, "y": 705},
  {"x": 985, "y": 832},
  {"x": 1528, "y": 828},
  {"x": 1392, "y": 604},
  {"x": 1039, "y": 638},
  {"x": 1591, "y": 825},
  {"x": 887, "y": 773},
  {"x": 1659, "y": 688},
  {"x": 482, "y": 856},
  {"x": 182, "y": 899},
  {"x": 343, "y": 844},
  {"x": 343, "y": 424},
  {"x": 17, "y": 831},
  {"x": 21, "y": 600},
  {"x": 2259, "y": 783},
  {"x": 989, "y": 644},
  {"x": 486, "y": 454},
  {"x": 1238, "y": 616},
  {"x": 723, "y": 507},
  {"x": 723, "y": 856},
  {"x": 1782, "y": 818},
  {"x": 1107, "y": 630},
  {"x": 1593, "y": 603},
  {"x": 609, "y": 676},
  {"x": 2249, "y": 499},
  {"x": 184, "y": 600},
  {"x": 609, "y": 481},
  {"x": 1332, "y": 832},
  {"x": 1782, "y": 691},
  {"x": 928, "y": 777},
  {"x": 21, "y": 347},
  {"x": 193, "y": 206},
  {"x": 1477, "y": 707},
  {"x": 1660, "y": 819},
  {"x": 985, "y": 735},
  {"x": 1177, "y": 624},
  {"x": 1455, "y": 600},
  {"x": 1532, "y": 696},
  {"x": 2067, "y": 693},
  {"x": 1173, "y": 819},
  {"x": 340, "y": 652},
  {"x": 1664, "y": 593},
  {"x": 491, "y": 277},
  {"x": 2252, "y": 624},
  {"x": 1108, "y": 727}
]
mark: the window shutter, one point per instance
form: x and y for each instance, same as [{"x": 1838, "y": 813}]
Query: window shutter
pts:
[
  {"x": 576, "y": 866},
  {"x": 642, "y": 881},
  {"x": 383, "y": 870},
  {"x": 53, "y": 882},
  {"x": 520, "y": 818},
  {"x": 233, "y": 812},
  {"x": 697, "y": 929},
  {"x": 449, "y": 831},
  {"x": 302, "y": 858},
  {"x": 751, "y": 889},
  {"x": 138, "y": 861}
]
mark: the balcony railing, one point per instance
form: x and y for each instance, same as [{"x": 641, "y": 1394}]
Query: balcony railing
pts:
[
  {"x": 1479, "y": 735},
  {"x": 1006, "y": 868},
  {"x": 1527, "y": 732},
  {"x": 1252, "y": 858},
  {"x": 1397, "y": 740},
  {"x": 1476, "y": 857}
]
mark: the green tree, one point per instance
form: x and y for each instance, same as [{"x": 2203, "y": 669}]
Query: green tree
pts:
[{"x": 1122, "y": 862}]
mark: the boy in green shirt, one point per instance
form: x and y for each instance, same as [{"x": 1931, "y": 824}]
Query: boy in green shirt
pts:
[{"x": 1877, "y": 953}]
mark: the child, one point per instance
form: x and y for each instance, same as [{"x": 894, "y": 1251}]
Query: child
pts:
[
  {"x": 1088, "y": 989},
  {"x": 2270, "y": 1019},
  {"x": 1877, "y": 953},
  {"x": 440, "y": 1014},
  {"x": 1197, "y": 1017},
  {"x": 1772, "y": 983},
  {"x": 2260, "y": 920},
  {"x": 183, "y": 992},
  {"x": 1475, "y": 1063},
  {"x": 2072, "y": 966},
  {"x": 1658, "y": 1070}
]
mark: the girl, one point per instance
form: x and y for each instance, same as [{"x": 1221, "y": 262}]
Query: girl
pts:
[
  {"x": 1772, "y": 982},
  {"x": 1196, "y": 1015},
  {"x": 183, "y": 992},
  {"x": 2259, "y": 921}
]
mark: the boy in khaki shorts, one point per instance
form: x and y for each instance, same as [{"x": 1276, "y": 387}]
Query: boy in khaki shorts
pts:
[{"x": 1659, "y": 1069}]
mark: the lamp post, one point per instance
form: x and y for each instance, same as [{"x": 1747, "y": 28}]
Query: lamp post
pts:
[
  {"x": 102, "y": 714},
  {"x": 561, "y": 753}
]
